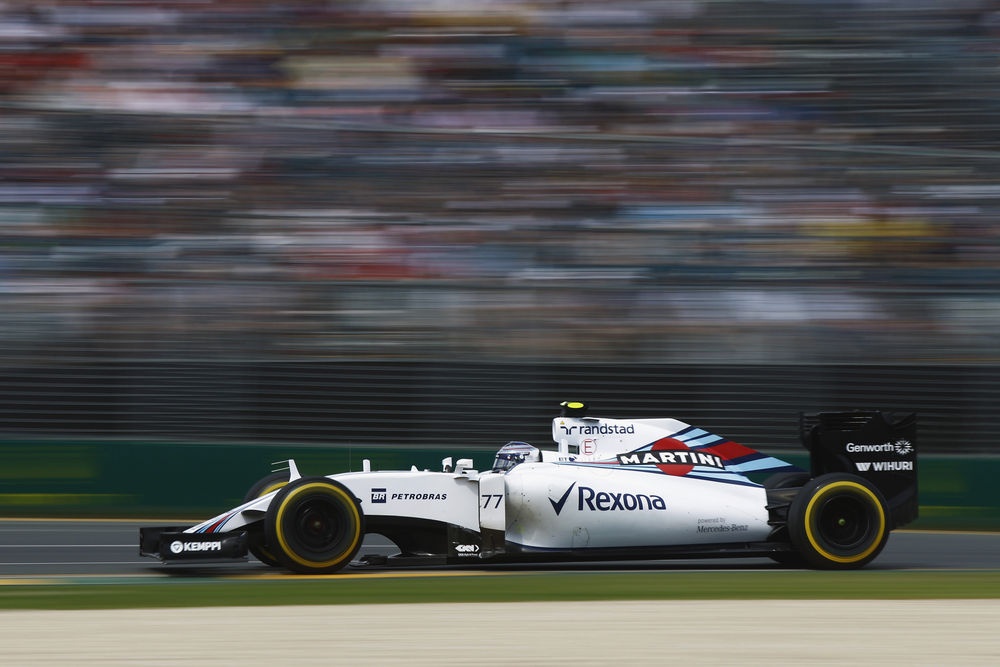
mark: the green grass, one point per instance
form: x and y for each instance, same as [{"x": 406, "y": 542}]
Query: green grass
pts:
[{"x": 99, "y": 593}]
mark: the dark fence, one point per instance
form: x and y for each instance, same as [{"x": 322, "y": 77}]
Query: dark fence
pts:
[{"x": 477, "y": 405}]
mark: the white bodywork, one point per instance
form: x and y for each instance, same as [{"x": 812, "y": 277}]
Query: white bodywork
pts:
[
  {"x": 553, "y": 506},
  {"x": 609, "y": 484}
]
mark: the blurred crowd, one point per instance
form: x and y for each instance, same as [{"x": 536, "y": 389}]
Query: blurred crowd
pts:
[{"x": 639, "y": 180}]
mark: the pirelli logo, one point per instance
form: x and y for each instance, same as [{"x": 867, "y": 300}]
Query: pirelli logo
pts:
[{"x": 683, "y": 457}]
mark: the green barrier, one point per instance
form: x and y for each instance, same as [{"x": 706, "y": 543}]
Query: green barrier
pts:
[
  {"x": 176, "y": 480},
  {"x": 62, "y": 479}
]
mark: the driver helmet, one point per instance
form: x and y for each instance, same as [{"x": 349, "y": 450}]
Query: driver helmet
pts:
[{"x": 515, "y": 453}]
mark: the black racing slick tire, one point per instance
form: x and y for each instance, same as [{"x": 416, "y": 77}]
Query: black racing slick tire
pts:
[
  {"x": 787, "y": 480},
  {"x": 315, "y": 525},
  {"x": 838, "y": 522},
  {"x": 256, "y": 540}
]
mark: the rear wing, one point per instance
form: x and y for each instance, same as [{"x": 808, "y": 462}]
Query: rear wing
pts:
[{"x": 878, "y": 447}]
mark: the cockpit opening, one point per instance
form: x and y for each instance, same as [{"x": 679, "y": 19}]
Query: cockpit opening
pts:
[{"x": 513, "y": 454}]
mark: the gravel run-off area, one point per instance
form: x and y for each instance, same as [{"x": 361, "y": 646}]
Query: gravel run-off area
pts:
[
  {"x": 775, "y": 632},
  {"x": 856, "y": 632}
]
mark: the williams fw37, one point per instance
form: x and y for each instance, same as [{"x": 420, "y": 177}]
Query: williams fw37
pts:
[{"x": 610, "y": 489}]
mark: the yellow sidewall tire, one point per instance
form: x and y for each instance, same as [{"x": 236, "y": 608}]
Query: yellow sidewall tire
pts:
[
  {"x": 257, "y": 543},
  {"x": 838, "y": 521},
  {"x": 315, "y": 525},
  {"x": 273, "y": 487}
]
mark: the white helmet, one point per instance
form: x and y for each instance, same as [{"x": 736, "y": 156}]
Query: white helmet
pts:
[{"x": 515, "y": 453}]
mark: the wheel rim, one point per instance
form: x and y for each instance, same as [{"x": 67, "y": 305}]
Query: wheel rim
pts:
[
  {"x": 318, "y": 524},
  {"x": 846, "y": 524}
]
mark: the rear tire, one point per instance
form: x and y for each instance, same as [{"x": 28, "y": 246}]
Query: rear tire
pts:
[
  {"x": 256, "y": 541},
  {"x": 838, "y": 521},
  {"x": 315, "y": 525},
  {"x": 790, "y": 481},
  {"x": 786, "y": 480}
]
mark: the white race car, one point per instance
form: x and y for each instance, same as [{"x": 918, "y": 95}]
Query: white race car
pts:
[{"x": 611, "y": 489}]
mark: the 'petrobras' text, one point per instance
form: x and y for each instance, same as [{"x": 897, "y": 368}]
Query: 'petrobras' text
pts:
[{"x": 419, "y": 496}]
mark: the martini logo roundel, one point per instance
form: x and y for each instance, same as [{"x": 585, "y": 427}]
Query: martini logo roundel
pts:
[
  {"x": 672, "y": 457},
  {"x": 670, "y": 446}
]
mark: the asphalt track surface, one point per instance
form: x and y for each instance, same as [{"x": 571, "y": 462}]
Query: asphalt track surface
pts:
[{"x": 32, "y": 548}]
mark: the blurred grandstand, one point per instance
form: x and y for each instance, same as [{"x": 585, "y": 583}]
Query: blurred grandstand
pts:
[{"x": 637, "y": 182}]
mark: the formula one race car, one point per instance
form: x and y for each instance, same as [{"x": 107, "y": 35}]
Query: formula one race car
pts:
[{"x": 612, "y": 489}]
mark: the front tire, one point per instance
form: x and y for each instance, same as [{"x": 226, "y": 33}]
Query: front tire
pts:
[
  {"x": 256, "y": 541},
  {"x": 315, "y": 525},
  {"x": 838, "y": 521}
]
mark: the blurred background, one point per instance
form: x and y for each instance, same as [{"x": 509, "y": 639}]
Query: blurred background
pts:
[{"x": 387, "y": 221}]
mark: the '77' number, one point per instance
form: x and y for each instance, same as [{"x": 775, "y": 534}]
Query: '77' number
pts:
[{"x": 491, "y": 498}]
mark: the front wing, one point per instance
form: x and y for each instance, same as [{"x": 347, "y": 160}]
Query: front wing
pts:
[{"x": 172, "y": 544}]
